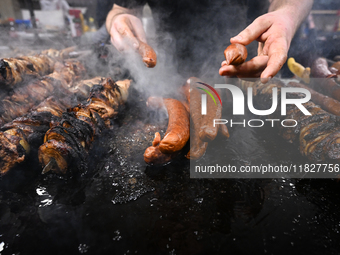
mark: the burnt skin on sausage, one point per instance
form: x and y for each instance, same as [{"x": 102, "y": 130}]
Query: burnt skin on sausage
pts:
[
  {"x": 235, "y": 54},
  {"x": 148, "y": 54}
]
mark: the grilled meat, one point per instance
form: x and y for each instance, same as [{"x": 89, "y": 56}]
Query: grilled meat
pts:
[
  {"x": 23, "y": 133},
  {"x": 19, "y": 69},
  {"x": 16, "y": 70},
  {"x": 327, "y": 103},
  {"x": 318, "y": 134},
  {"x": 22, "y": 99},
  {"x": 68, "y": 141}
]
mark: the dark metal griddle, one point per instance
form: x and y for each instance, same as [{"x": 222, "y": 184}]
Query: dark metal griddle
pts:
[{"x": 122, "y": 206}]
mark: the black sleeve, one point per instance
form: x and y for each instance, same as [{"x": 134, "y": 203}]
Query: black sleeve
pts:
[
  {"x": 256, "y": 8},
  {"x": 104, "y": 7},
  {"x": 130, "y": 4}
]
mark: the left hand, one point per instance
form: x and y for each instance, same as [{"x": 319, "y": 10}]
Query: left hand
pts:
[{"x": 274, "y": 32}]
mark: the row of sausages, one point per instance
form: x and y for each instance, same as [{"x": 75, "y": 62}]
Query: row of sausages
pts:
[{"x": 180, "y": 112}]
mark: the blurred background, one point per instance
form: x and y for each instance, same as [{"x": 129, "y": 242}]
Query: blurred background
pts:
[{"x": 40, "y": 24}]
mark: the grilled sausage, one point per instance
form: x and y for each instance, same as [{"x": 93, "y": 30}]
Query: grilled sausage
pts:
[
  {"x": 148, "y": 54},
  {"x": 320, "y": 69},
  {"x": 207, "y": 131},
  {"x": 178, "y": 131},
  {"x": 154, "y": 156},
  {"x": 235, "y": 54},
  {"x": 329, "y": 104}
]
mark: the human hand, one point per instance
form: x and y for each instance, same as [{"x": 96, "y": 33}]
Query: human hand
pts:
[
  {"x": 127, "y": 34},
  {"x": 274, "y": 32}
]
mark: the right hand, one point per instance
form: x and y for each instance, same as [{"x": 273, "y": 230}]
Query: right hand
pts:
[{"x": 127, "y": 34}]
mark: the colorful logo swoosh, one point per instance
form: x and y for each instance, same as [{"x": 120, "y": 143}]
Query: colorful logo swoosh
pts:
[{"x": 211, "y": 88}]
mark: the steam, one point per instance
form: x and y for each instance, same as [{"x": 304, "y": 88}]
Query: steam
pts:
[{"x": 182, "y": 56}]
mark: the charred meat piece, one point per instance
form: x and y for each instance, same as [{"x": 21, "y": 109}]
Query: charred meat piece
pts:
[
  {"x": 22, "y": 99},
  {"x": 16, "y": 70},
  {"x": 68, "y": 141},
  {"x": 317, "y": 135},
  {"x": 23, "y": 133}
]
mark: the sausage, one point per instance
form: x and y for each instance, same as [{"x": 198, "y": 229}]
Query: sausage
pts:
[
  {"x": 148, "y": 54},
  {"x": 197, "y": 147},
  {"x": 320, "y": 69},
  {"x": 154, "y": 156},
  {"x": 155, "y": 103},
  {"x": 207, "y": 131},
  {"x": 336, "y": 67},
  {"x": 202, "y": 124},
  {"x": 224, "y": 130},
  {"x": 235, "y": 54},
  {"x": 178, "y": 131},
  {"x": 327, "y": 86},
  {"x": 329, "y": 104}
]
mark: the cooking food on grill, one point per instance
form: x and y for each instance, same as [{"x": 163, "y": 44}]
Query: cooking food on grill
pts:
[
  {"x": 328, "y": 86},
  {"x": 207, "y": 131},
  {"x": 320, "y": 69},
  {"x": 68, "y": 141},
  {"x": 317, "y": 135},
  {"x": 327, "y": 103},
  {"x": 15, "y": 70},
  {"x": 18, "y": 136},
  {"x": 203, "y": 130},
  {"x": 153, "y": 154},
  {"x": 148, "y": 54},
  {"x": 59, "y": 54},
  {"x": 299, "y": 70},
  {"x": 336, "y": 66},
  {"x": 178, "y": 131},
  {"x": 23, "y": 98},
  {"x": 235, "y": 54}
]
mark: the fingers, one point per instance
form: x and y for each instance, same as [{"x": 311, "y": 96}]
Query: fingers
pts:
[
  {"x": 277, "y": 53},
  {"x": 124, "y": 29},
  {"x": 253, "y": 31},
  {"x": 126, "y": 32},
  {"x": 252, "y": 68},
  {"x": 138, "y": 28}
]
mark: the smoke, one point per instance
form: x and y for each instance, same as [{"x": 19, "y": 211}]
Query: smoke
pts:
[{"x": 192, "y": 46}]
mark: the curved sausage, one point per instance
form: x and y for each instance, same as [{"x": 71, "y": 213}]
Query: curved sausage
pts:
[
  {"x": 178, "y": 131},
  {"x": 235, "y": 54},
  {"x": 153, "y": 155},
  {"x": 148, "y": 54}
]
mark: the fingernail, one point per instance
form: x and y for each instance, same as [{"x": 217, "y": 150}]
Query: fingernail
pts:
[
  {"x": 265, "y": 80},
  {"x": 237, "y": 38}
]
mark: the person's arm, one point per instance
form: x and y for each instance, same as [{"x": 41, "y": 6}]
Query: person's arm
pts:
[
  {"x": 274, "y": 32},
  {"x": 125, "y": 28},
  {"x": 127, "y": 33}
]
